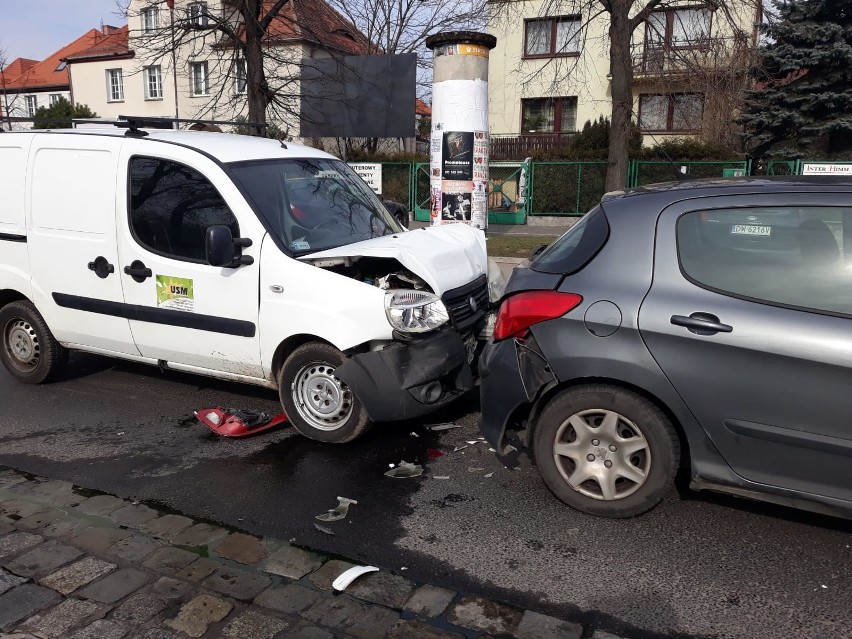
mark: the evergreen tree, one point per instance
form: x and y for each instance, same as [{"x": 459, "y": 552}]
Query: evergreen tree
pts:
[
  {"x": 62, "y": 113},
  {"x": 802, "y": 102}
]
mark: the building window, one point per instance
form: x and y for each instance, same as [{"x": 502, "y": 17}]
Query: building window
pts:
[
  {"x": 198, "y": 14},
  {"x": 549, "y": 115},
  {"x": 678, "y": 28},
  {"x": 198, "y": 75},
  {"x": 549, "y": 37},
  {"x": 54, "y": 98},
  {"x": 153, "y": 83},
  {"x": 115, "y": 85},
  {"x": 32, "y": 105},
  {"x": 680, "y": 112},
  {"x": 241, "y": 84},
  {"x": 150, "y": 19}
]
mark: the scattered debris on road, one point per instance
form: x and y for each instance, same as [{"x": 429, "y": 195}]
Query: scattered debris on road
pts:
[
  {"x": 324, "y": 530},
  {"x": 234, "y": 422},
  {"x": 347, "y": 577},
  {"x": 440, "y": 427},
  {"x": 339, "y": 512},
  {"x": 404, "y": 470}
]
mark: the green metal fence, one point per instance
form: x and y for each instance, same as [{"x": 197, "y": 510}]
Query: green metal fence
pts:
[
  {"x": 396, "y": 182},
  {"x": 644, "y": 172},
  {"x": 566, "y": 188}
]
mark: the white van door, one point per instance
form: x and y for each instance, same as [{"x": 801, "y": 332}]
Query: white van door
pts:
[
  {"x": 183, "y": 310},
  {"x": 76, "y": 281}
]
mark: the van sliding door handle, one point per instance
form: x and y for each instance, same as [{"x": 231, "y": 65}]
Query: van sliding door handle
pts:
[
  {"x": 138, "y": 271},
  {"x": 701, "y": 324}
]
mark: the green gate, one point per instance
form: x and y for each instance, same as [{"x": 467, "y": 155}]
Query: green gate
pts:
[
  {"x": 566, "y": 188},
  {"x": 644, "y": 172}
]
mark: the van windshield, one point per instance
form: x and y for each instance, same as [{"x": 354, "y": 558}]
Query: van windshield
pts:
[{"x": 314, "y": 204}]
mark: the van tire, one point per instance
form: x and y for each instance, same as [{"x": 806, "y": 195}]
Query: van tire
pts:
[
  {"x": 319, "y": 405},
  {"x": 28, "y": 349}
]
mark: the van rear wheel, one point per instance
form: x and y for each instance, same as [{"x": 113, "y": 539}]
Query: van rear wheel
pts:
[
  {"x": 319, "y": 405},
  {"x": 27, "y": 347}
]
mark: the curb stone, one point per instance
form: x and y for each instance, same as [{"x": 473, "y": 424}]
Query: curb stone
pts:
[{"x": 127, "y": 570}]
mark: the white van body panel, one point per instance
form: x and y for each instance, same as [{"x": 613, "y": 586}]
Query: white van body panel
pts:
[
  {"x": 222, "y": 296},
  {"x": 72, "y": 198},
  {"x": 446, "y": 256},
  {"x": 342, "y": 311},
  {"x": 15, "y": 264}
]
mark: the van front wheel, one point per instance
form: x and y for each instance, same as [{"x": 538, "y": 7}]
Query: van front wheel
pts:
[
  {"x": 319, "y": 405},
  {"x": 27, "y": 347}
]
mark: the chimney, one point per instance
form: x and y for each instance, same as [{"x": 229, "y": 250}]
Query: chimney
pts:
[{"x": 108, "y": 29}]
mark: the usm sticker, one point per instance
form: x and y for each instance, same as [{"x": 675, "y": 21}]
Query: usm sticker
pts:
[{"x": 175, "y": 293}]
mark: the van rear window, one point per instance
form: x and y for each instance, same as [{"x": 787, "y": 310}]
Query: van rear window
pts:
[{"x": 571, "y": 252}]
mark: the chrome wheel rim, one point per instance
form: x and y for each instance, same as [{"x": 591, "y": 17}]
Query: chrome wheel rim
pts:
[
  {"x": 22, "y": 344},
  {"x": 321, "y": 399},
  {"x": 601, "y": 454}
]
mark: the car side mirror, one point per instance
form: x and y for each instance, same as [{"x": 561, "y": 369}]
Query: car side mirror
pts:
[
  {"x": 220, "y": 247},
  {"x": 538, "y": 250}
]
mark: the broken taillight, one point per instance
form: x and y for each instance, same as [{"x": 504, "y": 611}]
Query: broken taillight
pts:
[{"x": 518, "y": 312}]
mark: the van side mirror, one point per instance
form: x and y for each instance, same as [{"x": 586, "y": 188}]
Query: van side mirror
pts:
[{"x": 221, "y": 250}]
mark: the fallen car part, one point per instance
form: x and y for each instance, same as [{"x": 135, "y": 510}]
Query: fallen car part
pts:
[
  {"x": 324, "y": 530},
  {"x": 339, "y": 512},
  {"x": 434, "y": 453},
  {"x": 233, "y": 422},
  {"x": 440, "y": 427},
  {"x": 405, "y": 470},
  {"x": 342, "y": 582}
]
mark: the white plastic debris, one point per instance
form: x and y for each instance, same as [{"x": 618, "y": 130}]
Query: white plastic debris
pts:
[
  {"x": 440, "y": 476},
  {"x": 343, "y": 581},
  {"x": 490, "y": 475},
  {"x": 324, "y": 530},
  {"x": 458, "y": 448},
  {"x": 339, "y": 512},
  {"x": 405, "y": 470},
  {"x": 475, "y": 441},
  {"x": 475, "y": 470},
  {"x": 413, "y": 434},
  {"x": 439, "y": 427}
]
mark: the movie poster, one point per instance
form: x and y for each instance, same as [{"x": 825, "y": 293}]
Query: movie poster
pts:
[{"x": 457, "y": 155}]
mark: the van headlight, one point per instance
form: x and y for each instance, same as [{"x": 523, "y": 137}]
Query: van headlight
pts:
[{"x": 415, "y": 311}]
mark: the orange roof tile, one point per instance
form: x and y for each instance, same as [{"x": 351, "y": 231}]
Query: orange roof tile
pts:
[
  {"x": 113, "y": 42},
  {"x": 421, "y": 108},
  {"x": 51, "y": 71},
  {"x": 18, "y": 67},
  {"x": 316, "y": 21}
]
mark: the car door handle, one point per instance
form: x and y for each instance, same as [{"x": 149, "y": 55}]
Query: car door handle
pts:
[
  {"x": 101, "y": 267},
  {"x": 701, "y": 323},
  {"x": 138, "y": 271}
]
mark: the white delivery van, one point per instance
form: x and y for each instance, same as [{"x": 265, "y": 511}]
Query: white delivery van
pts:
[{"x": 239, "y": 258}]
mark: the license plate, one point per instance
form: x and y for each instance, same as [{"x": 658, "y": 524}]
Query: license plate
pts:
[{"x": 750, "y": 229}]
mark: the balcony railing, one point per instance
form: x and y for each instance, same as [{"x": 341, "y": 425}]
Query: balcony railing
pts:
[{"x": 713, "y": 54}]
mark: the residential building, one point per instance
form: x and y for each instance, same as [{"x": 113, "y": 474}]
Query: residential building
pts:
[
  {"x": 26, "y": 85},
  {"x": 550, "y": 71},
  {"x": 139, "y": 72}
]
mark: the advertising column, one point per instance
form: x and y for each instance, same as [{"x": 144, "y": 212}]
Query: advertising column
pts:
[{"x": 459, "y": 144}]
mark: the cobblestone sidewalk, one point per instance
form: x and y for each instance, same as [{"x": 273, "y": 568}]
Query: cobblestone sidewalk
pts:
[{"x": 98, "y": 567}]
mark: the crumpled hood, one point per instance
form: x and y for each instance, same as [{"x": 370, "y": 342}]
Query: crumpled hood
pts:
[{"x": 446, "y": 256}]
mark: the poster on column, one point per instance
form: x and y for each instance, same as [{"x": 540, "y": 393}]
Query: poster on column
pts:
[{"x": 457, "y": 155}]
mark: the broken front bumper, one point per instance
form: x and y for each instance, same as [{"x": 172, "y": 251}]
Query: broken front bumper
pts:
[{"x": 406, "y": 380}]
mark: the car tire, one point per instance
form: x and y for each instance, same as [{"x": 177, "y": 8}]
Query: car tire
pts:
[
  {"x": 27, "y": 347},
  {"x": 606, "y": 451},
  {"x": 319, "y": 405}
]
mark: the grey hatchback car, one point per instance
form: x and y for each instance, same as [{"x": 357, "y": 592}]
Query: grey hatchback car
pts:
[{"x": 703, "y": 326}]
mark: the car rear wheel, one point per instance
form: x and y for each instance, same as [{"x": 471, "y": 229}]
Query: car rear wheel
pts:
[
  {"x": 319, "y": 405},
  {"x": 27, "y": 347},
  {"x": 606, "y": 451}
]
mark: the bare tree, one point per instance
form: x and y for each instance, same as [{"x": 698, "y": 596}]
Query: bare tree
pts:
[
  {"x": 626, "y": 24},
  {"x": 253, "y": 45}
]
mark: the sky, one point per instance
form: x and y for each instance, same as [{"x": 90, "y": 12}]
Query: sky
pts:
[{"x": 36, "y": 28}]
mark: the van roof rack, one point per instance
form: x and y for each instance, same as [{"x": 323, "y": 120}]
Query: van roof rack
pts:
[{"x": 134, "y": 123}]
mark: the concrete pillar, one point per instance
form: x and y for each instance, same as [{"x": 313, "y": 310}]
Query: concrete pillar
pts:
[{"x": 459, "y": 144}]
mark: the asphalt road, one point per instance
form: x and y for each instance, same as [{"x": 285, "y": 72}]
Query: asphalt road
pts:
[{"x": 698, "y": 566}]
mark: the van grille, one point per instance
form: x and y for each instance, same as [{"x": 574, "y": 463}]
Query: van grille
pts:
[{"x": 462, "y": 314}]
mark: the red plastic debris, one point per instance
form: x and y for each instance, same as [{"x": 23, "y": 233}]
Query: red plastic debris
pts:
[
  {"x": 434, "y": 453},
  {"x": 229, "y": 422}
]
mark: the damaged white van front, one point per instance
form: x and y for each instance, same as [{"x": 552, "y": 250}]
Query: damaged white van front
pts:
[{"x": 239, "y": 258}]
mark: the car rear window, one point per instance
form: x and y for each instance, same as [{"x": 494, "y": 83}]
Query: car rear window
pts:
[
  {"x": 571, "y": 252},
  {"x": 797, "y": 257}
]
